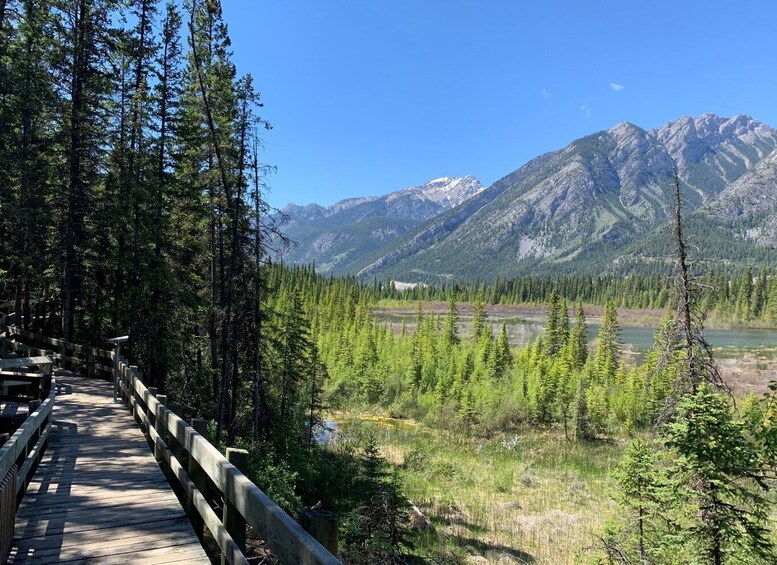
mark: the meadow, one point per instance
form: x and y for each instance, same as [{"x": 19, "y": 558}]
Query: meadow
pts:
[{"x": 528, "y": 496}]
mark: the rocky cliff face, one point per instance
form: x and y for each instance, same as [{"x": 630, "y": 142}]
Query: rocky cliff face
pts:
[{"x": 593, "y": 198}]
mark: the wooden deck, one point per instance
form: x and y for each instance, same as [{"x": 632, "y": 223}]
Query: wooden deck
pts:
[{"x": 98, "y": 495}]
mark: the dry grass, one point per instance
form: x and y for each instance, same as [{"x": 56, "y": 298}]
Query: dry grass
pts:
[{"x": 531, "y": 497}]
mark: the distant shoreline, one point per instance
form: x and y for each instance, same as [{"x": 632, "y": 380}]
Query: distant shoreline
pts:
[{"x": 635, "y": 317}]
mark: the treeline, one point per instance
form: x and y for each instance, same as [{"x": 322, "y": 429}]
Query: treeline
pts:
[
  {"x": 426, "y": 369},
  {"x": 131, "y": 195},
  {"x": 750, "y": 296}
]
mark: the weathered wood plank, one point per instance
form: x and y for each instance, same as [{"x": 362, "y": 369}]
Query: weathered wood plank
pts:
[
  {"x": 17, "y": 443},
  {"x": 91, "y": 537},
  {"x": 287, "y": 539},
  {"x": 108, "y": 547},
  {"x": 98, "y": 495},
  {"x": 24, "y": 362}
]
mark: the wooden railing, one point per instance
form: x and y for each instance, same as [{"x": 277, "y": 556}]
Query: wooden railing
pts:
[
  {"x": 21, "y": 453},
  {"x": 199, "y": 468},
  {"x": 39, "y": 310},
  {"x": 89, "y": 361}
]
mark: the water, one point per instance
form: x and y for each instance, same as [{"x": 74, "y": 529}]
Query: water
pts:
[{"x": 524, "y": 327}]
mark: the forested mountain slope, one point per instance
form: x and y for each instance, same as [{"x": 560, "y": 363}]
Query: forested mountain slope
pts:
[
  {"x": 586, "y": 207},
  {"x": 337, "y": 238}
]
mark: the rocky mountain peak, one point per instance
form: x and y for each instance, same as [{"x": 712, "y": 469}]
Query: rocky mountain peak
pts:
[
  {"x": 445, "y": 191},
  {"x": 625, "y": 129}
]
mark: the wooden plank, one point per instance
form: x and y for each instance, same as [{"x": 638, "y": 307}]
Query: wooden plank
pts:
[
  {"x": 50, "y": 506},
  {"x": 283, "y": 535},
  {"x": 91, "y": 537},
  {"x": 155, "y": 555},
  {"x": 31, "y": 527},
  {"x": 228, "y": 546},
  {"x": 32, "y": 457},
  {"x": 25, "y": 362},
  {"x": 106, "y": 506},
  {"x": 107, "y": 547},
  {"x": 98, "y": 494}
]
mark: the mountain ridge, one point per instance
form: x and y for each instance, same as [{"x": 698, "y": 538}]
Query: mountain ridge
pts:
[
  {"x": 337, "y": 236},
  {"x": 589, "y": 205}
]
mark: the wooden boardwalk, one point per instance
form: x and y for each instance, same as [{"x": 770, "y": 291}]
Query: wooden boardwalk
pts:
[{"x": 98, "y": 495}]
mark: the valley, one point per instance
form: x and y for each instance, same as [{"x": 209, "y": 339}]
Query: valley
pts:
[{"x": 434, "y": 283}]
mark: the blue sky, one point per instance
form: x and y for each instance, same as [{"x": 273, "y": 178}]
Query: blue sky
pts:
[{"x": 371, "y": 96}]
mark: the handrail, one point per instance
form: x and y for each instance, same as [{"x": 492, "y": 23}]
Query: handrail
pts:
[
  {"x": 92, "y": 360},
  {"x": 285, "y": 537},
  {"x": 17, "y": 449},
  {"x": 174, "y": 439}
]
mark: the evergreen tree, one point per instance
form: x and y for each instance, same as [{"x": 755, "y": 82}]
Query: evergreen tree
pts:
[
  {"x": 578, "y": 340},
  {"x": 644, "y": 494},
  {"x": 452, "y": 324},
  {"x": 557, "y": 325},
  {"x": 608, "y": 346},
  {"x": 716, "y": 467},
  {"x": 744, "y": 306},
  {"x": 479, "y": 317},
  {"x": 760, "y": 291}
]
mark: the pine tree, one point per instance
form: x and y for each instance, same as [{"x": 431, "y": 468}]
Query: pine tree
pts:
[
  {"x": 578, "y": 340},
  {"x": 744, "y": 305},
  {"x": 84, "y": 31},
  {"x": 557, "y": 325},
  {"x": 479, "y": 317},
  {"x": 582, "y": 430},
  {"x": 608, "y": 346},
  {"x": 717, "y": 467},
  {"x": 644, "y": 496},
  {"x": 760, "y": 291},
  {"x": 451, "y": 331}
]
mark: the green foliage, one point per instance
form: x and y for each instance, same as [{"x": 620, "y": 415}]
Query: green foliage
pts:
[
  {"x": 644, "y": 496},
  {"x": 717, "y": 471},
  {"x": 425, "y": 370},
  {"x": 608, "y": 347},
  {"x": 376, "y": 530}
]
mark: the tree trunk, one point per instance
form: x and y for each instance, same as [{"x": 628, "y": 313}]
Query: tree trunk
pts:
[{"x": 76, "y": 205}]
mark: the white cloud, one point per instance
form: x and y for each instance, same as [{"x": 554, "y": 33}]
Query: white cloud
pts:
[
  {"x": 616, "y": 87},
  {"x": 545, "y": 93},
  {"x": 586, "y": 111}
]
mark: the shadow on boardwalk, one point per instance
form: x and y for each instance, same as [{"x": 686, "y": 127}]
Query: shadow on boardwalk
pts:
[{"x": 98, "y": 494}]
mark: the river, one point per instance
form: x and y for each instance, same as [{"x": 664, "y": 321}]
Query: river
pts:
[{"x": 524, "y": 327}]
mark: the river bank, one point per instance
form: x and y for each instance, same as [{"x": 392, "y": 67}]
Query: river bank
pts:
[
  {"x": 747, "y": 357},
  {"x": 633, "y": 317}
]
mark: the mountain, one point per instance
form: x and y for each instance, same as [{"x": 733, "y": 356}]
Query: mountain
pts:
[
  {"x": 589, "y": 206},
  {"x": 748, "y": 206},
  {"x": 339, "y": 237}
]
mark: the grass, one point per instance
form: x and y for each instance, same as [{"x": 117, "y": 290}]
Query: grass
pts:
[{"x": 525, "y": 497}]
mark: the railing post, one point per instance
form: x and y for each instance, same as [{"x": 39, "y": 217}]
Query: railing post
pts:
[
  {"x": 322, "y": 525},
  {"x": 132, "y": 397},
  {"x": 231, "y": 518},
  {"x": 48, "y": 371},
  {"x": 116, "y": 342},
  {"x": 128, "y": 392},
  {"x": 195, "y": 473},
  {"x": 90, "y": 363},
  {"x": 152, "y": 391},
  {"x": 159, "y": 426}
]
